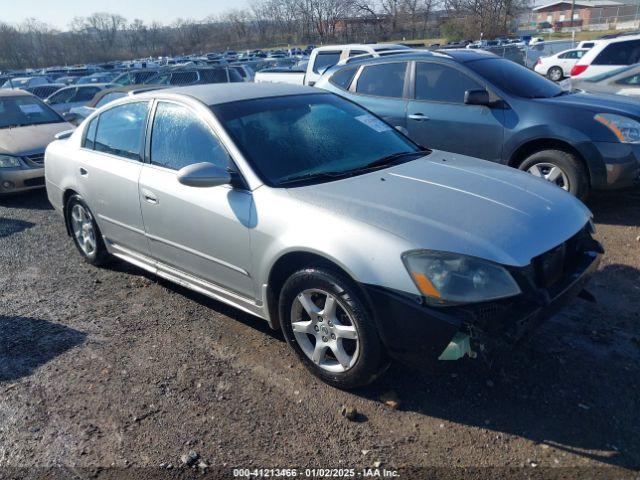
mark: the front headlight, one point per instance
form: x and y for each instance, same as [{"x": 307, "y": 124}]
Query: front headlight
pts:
[
  {"x": 626, "y": 129},
  {"x": 449, "y": 278},
  {"x": 7, "y": 161}
]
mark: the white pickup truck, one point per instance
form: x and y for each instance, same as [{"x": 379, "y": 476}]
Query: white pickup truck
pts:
[{"x": 323, "y": 58}]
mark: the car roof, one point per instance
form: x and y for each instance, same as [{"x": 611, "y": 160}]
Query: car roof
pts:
[
  {"x": 6, "y": 92},
  {"x": 219, "y": 93}
]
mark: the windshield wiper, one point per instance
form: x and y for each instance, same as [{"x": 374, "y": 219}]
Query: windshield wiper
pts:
[
  {"x": 389, "y": 160},
  {"x": 312, "y": 176}
]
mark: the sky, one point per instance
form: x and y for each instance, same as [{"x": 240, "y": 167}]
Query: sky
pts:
[{"x": 59, "y": 13}]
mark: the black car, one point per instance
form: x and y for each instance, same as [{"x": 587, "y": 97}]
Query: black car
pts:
[{"x": 475, "y": 103}]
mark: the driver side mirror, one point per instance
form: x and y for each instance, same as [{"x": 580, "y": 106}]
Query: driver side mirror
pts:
[
  {"x": 477, "y": 97},
  {"x": 203, "y": 174},
  {"x": 70, "y": 117}
]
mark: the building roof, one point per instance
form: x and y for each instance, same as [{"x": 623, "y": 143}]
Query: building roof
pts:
[
  {"x": 581, "y": 4},
  {"x": 218, "y": 93}
]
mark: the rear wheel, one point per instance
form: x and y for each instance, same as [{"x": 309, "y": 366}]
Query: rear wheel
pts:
[
  {"x": 555, "y": 73},
  {"x": 560, "y": 168},
  {"x": 85, "y": 232},
  {"x": 325, "y": 320}
]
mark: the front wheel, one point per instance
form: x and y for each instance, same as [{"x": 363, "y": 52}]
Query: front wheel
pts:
[
  {"x": 560, "y": 168},
  {"x": 325, "y": 320}
]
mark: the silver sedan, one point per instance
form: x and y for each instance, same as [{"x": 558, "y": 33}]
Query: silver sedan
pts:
[{"x": 306, "y": 210}]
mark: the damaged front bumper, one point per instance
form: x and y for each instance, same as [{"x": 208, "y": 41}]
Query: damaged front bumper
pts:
[{"x": 417, "y": 333}]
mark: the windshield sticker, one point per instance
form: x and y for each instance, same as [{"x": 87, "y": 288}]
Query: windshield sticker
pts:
[
  {"x": 31, "y": 108},
  {"x": 373, "y": 123}
]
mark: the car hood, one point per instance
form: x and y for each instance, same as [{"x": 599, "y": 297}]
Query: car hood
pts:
[
  {"x": 31, "y": 139},
  {"x": 459, "y": 204},
  {"x": 597, "y": 103}
]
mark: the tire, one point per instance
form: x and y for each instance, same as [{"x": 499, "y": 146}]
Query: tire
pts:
[
  {"x": 75, "y": 210},
  {"x": 573, "y": 178},
  {"x": 367, "y": 357},
  {"x": 555, "y": 74}
]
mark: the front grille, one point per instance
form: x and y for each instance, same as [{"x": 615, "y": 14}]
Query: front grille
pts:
[
  {"x": 37, "y": 158},
  {"x": 34, "y": 182}
]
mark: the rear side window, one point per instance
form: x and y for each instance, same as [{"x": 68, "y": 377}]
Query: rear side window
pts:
[
  {"x": 439, "y": 83},
  {"x": 325, "y": 60},
  {"x": 109, "y": 97},
  {"x": 62, "y": 96},
  {"x": 619, "y": 53},
  {"x": 85, "y": 94},
  {"x": 342, "y": 78},
  {"x": 120, "y": 130},
  {"x": 183, "y": 78},
  {"x": 179, "y": 138},
  {"x": 385, "y": 80},
  {"x": 215, "y": 75}
]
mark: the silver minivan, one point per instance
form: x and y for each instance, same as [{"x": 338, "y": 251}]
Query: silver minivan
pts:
[{"x": 308, "y": 211}]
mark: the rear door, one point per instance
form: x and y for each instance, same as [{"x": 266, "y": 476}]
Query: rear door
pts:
[
  {"x": 203, "y": 232},
  {"x": 437, "y": 116},
  {"x": 382, "y": 89},
  {"x": 109, "y": 170}
]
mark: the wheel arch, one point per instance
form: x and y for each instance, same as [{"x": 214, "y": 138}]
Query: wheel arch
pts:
[
  {"x": 540, "y": 144},
  {"x": 288, "y": 264},
  {"x": 68, "y": 193}
]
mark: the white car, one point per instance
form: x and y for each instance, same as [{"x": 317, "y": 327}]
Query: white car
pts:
[
  {"x": 607, "y": 55},
  {"x": 558, "y": 66}
]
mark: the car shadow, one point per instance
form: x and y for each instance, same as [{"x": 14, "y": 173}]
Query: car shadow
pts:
[
  {"x": 9, "y": 226},
  {"x": 31, "y": 200},
  {"x": 616, "y": 207},
  {"x": 27, "y": 343}
]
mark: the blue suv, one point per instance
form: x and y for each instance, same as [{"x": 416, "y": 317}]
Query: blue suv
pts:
[{"x": 475, "y": 103}]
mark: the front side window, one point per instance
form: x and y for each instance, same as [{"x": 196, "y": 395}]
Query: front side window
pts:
[
  {"x": 121, "y": 130},
  {"x": 325, "y": 60},
  {"x": 62, "y": 96},
  {"x": 301, "y": 138},
  {"x": 385, "y": 80},
  {"x": 179, "y": 138},
  {"x": 619, "y": 53},
  {"x": 440, "y": 83}
]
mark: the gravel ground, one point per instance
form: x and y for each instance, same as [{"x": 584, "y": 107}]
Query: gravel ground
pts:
[{"x": 112, "y": 367}]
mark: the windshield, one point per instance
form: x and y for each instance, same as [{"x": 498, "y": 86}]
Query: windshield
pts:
[
  {"x": 22, "y": 111},
  {"x": 515, "y": 79},
  {"x": 300, "y": 137}
]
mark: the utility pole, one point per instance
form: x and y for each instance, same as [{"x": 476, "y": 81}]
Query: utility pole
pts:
[{"x": 573, "y": 7}]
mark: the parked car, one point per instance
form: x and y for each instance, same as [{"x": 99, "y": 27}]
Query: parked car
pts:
[
  {"x": 27, "y": 126},
  {"x": 135, "y": 77},
  {"x": 321, "y": 59},
  {"x": 622, "y": 81},
  {"x": 558, "y": 66},
  {"x": 476, "y": 103},
  {"x": 43, "y": 91},
  {"x": 450, "y": 272},
  {"x": 102, "y": 77},
  {"x": 195, "y": 76},
  {"x": 607, "y": 55},
  {"x": 245, "y": 71},
  {"x": 76, "y": 115},
  {"x": 74, "y": 96},
  {"x": 25, "y": 82}
]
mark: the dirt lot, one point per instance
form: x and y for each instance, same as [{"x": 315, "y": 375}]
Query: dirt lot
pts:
[{"x": 110, "y": 367}]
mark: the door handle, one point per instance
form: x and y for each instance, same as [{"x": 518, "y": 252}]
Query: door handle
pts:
[
  {"x": 150, "y": 197},
  {"x": 83, "y": 172},
  {"x": 418, "y": 116}
]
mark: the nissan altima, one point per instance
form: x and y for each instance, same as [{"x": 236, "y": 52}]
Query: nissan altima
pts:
[{"x": 306, "y": 210}]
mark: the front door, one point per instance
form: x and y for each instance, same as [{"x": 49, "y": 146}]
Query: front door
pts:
[
  {"x": 203, "y": 232},
  {"x": 437, "y": 116}
]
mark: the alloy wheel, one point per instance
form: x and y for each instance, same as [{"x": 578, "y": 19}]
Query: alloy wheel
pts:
[
  {"x": 551, "y": 173},
  {"x": 324, "y": 330},
  {"x": 83, "y": 231}
]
